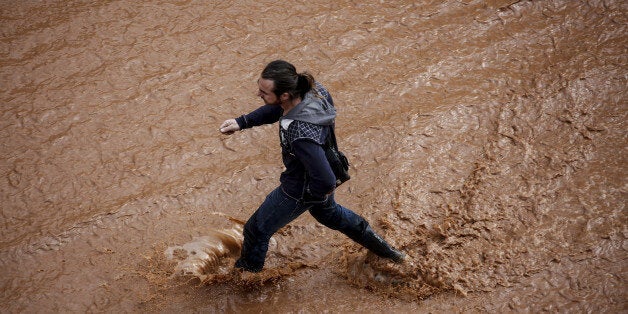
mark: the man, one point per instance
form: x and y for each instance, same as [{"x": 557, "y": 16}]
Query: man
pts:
[{"x": 305, "y": 113}]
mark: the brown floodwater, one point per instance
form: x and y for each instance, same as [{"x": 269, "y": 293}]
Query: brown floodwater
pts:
[{"x": 487, "y": 140}]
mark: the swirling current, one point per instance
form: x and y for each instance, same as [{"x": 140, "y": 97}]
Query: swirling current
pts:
[{"x": 487, "y": 140}]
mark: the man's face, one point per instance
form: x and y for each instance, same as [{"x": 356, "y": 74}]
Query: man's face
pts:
[{"x": 265, "y": 92}]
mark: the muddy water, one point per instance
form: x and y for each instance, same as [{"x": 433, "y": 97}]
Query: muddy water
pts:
[{"x": 487, "y": 140}]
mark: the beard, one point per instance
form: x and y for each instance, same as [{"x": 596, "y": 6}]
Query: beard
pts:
[{"x": 275, "y": 103}]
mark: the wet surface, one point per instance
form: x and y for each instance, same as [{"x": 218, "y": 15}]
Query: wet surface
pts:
[{"x": 487, "y": 140}]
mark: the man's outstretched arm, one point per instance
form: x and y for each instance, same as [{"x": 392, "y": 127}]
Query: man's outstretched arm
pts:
[{"x": 266, "y": 114}]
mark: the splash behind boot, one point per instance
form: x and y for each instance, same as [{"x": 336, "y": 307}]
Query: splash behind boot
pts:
[{"x": 374, "y": 243}]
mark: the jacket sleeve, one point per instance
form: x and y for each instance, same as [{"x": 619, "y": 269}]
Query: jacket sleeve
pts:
[
  {"x": 321, "y": 178},
  {"x": 266, "y": 114}
]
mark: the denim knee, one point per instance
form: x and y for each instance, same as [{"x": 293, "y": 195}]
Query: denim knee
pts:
[{"x": 342, "y": 219}]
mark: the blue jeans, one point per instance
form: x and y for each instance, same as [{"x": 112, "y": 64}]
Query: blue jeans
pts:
[{"x": 278, "y": 210}]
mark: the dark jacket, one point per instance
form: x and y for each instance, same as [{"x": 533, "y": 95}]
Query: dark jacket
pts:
[{"x": 302, "y": 132}]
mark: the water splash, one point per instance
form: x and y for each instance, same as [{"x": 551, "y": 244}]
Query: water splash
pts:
[{"x": 206, "y": 257}]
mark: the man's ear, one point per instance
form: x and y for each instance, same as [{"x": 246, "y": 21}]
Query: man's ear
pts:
[{"x": 284, "y": 97}]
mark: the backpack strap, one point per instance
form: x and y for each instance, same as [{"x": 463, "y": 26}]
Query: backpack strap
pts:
[{"x": 331, "y": 139}]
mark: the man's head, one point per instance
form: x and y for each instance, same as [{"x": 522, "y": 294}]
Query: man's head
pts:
[
  {"x": 266, "y": 91},
  {"x": 280, "y": 82}
]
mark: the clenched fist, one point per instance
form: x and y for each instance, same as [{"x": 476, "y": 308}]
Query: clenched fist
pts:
[{"x": 229, "y": 126}]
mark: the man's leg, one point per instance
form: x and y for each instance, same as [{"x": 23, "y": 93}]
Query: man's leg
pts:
[
  {"x": 337, "y": 217},
  {"x": 277, "y": 210}
]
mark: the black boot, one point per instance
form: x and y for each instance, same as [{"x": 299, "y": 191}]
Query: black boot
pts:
[
  {"x": 374, "y": 243},
  {"x": 242, "y": 264}
]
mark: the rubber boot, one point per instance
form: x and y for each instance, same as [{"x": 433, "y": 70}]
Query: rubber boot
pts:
[
  {"x": 242, "y": 264},
  {"x": 374, "y": 243}
]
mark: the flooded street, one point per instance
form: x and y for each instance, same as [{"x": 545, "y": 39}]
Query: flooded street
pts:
[{"x": 487, "y": 140}]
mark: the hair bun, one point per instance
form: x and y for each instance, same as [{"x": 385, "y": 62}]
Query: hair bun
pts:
[{"x": 305, "y": 82}]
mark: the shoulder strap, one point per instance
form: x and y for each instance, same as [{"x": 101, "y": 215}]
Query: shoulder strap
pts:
[{"x": 332, "y": 138}]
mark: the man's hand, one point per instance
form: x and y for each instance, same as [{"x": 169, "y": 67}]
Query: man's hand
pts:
[{"x": 229, "y": 126}]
